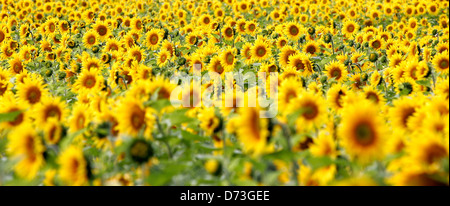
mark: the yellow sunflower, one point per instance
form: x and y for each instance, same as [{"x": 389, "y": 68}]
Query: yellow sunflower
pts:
[
  {"x": 337, "y": 71},
  {"x": 26, "y": 147},
  {"x": 440, "y": 62},
  {"x": 90, "y": 38},
  {"x": 31, "y": 91},
  {"x": 311, "y": 108},
  {"x": 253, "y": 132},
  {"x": 73, "y": 167},
  {"x": 362, "y": 136},
  {"x": 153, "y": 38},
  {"x": 260, "y": 50}
]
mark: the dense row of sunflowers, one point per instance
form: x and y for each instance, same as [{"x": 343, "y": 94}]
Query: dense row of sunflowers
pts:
[{"x": 363, "y": 92}]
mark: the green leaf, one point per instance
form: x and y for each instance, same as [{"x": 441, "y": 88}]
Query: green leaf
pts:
[
  {"x": 193, "y": 137},
  {"x": 319, "y": 162},
  {"x": 424, "y": 82},
  {"x": 239, "y": 45},
  {"x": 158, "y": 105},
  {"x": 178, "y": 117},
  {"x": 216, "y": 36},
  {"x": 10, "y": 116}
]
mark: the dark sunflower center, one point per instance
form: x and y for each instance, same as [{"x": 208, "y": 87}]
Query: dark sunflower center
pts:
[
  {"x": 350, "y": 28},
  {"x": 229, "y": 32},
  {"x": 406, "y": 114},
  {"x": 293, "y": 30},
  {"x": 311, "y": 49},
  {"x": 80, "y": 122},
  {"x": 310, "y": 111},
  {"x": 364, "y": 134},
  {"x": 33, "y": 95},
  {"x": 372, "y": 96},
  {"x": 91, "y": 40},
  {"x": 154, "y": 39},
  {"x": 229, "y": 58},
  {"x": 261, "y": 51},
  {"x": 434, "y": 153},
  {"x": 102, "y": 30},
  {"x": 336, "y": 73},
  {"x": 443, "y": 64},
  {"x": 89, "y": 82},
  {"x": 53, "y": 111},
  {"x": 137, "y": 119}
]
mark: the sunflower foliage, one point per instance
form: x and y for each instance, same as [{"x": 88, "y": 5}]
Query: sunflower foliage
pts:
[{"x": 87, "y": 92}]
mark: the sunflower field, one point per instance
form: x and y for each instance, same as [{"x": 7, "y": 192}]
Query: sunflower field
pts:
[{"x": 361, "y": 92}]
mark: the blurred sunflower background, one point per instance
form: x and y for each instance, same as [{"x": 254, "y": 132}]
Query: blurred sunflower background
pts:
[{"x": 85, "y": 90}]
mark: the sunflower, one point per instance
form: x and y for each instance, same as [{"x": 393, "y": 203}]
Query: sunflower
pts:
[
  {"x": 416, "y": 178},
  {"x": 335, "y": 96},
  {"x": 428, "y": 150},
  {"x": 311, "y": 47},
  {"x": 324, "y": 145},
  {"x": 406, "y": 86},
  {"x": 26, "y": 147},
  {"x": 80, "y": 118},
  {"x": 48, "y": 109},
  {"x": 371, "y": 93},
  {"x": 102, "y": 30},
  {"x": 337, "y": 71},
  {"x": 442, "y": 87},
  {"x": 260, "y": 50},
  {"x": 441, "y": 62},
  {"x": 286, "y": 52},
  {"x": 289, "y": 90},
  {"x": 281, "y": 42},
  {"x": 228, "y": 59},
  {"x": 357, "y": 82},
  {"x": 301, "y": 62},
  {"x": 15, "y": 64},
  {"x": 3, "y": 34},
  {"x": 169, "y": 47},
  {"x": 216, "y": 66},
  {"x": 31, "y": 91},
  {"x": 362, "y": 136},
  {"x": 403, "y": 109},
  {"x": 162, "y": 58},
  {"x": 137, "y": 54},
  {"x": 11, "y": 105},
  {"x": 90, "y": 38},
  {"x": 73, "y": 167},
  {"x": 321, "y": 176},
  {"x": 349, "y": 28},
  {"x": 133, "y": 118},
  {"x": 91, "y": 63},
  {"x": 247, "y": 53},
  {"x": 228, "y": 32},
  {"x": 376, "y": 43},
  {"x": 153, "y": 38},
  {"x": 209, "y": 122},
  {"x": 311, "y": 108},
  {"x": 112, "y": 45},
  {"x": 53, "y": 132},
  {"x": 89, "y": 80},
  {"x": 241, "y": 26},
  {"x": 251, "y": 27},
  {"x": 5, "y": 87},
  {"x": 136, "y": 24},
  {"x": 253, "y": 132},
  {"x": 293, "y": 31}
]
